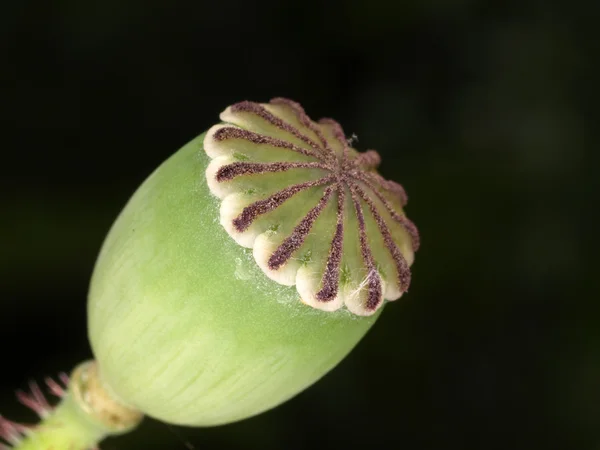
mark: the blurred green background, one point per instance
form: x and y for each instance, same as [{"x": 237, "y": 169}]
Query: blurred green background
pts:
[{"x": 486, "y": 112}]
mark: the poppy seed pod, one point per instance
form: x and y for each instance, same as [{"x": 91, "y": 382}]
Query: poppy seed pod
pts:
[
  {"x": 240, "y": 272},
  {"x": 246, "y": 267}
]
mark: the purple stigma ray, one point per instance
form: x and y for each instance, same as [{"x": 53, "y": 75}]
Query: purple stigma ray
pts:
[
  {"x": 369, "y": 159},
  {"x": 402, "y": 268},
  {"x": 231, "y": 132},
  {"x": 374, "y": 295},
  {"x": 331, "y": 277},
  {"x": 236, "y": 169},
  {"x": 410, "y": 227},
  {"x": 338, "y": 134},
  {"x": 390, "y": 186},
  {"x": 304, "y": 120},
  {"x": 412, "y": 230},
  {"x": 295, "y": 240},
  {"x": 260, "y": 111},
  {"x": 260, "y": 207}
]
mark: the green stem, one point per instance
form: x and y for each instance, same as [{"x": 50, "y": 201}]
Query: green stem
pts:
[
  {"x": 66, "y": 427},
  {"x": 86, "y": 415}
]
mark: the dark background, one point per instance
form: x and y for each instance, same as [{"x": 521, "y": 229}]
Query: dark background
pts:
[{"x": 486, "y": 111}]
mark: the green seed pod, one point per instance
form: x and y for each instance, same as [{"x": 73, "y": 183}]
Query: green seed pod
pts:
[{"x": 246, "y": 267}]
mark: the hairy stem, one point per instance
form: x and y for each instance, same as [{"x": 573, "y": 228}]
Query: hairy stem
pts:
[{"x": 86, "y": 415}]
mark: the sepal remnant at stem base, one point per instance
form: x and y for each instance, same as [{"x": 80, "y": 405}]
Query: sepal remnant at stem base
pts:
[{"x": 86, "y": 414}]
